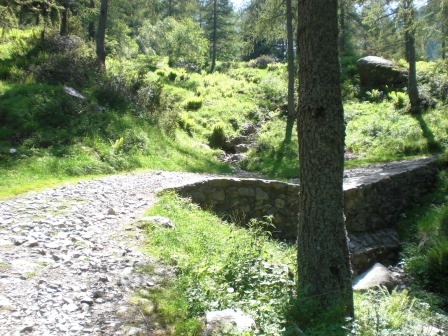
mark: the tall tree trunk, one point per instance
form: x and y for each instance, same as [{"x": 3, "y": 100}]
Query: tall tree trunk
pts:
[
  {"x": 342, "y": 27},
  {"x": 91, "y": 28},
  {"x": 324, "y": 270},
  {"x": 21, "y": 15},
  {"x": 414, "y": 98},
  {"x": 64, "y": 22},
  {"x": 101, "y": 34},
  {"x": 214, "y": 34},
  {"x": 291, "y": 71}
]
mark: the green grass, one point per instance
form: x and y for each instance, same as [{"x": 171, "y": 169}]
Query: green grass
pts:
[
  {"x": 425, "y": 237},
  {"x": 220, "y": 265}
]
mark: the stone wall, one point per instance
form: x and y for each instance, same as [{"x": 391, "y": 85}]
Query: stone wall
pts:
[{"x": 373, "y": 203}]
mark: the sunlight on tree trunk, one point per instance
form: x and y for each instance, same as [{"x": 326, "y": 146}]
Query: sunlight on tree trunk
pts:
[{"x": 324, "y": 269}]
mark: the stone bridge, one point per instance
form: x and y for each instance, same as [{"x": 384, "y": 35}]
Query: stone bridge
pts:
[{"x": 375, "y": 197}]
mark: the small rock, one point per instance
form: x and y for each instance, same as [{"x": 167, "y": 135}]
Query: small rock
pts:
[
  {"x": 4, "y": 302},
  {"x": 32, "y": 243},
  {"x": 98, "y": 294},
  {"x": 27, "y": 329},
  {"x": 134, "y": 331},
  {"x": 150, "y": 284},
  {"x": 232, "y": 321},
  {"x": 111, "y": 212},
  {"x": 87, "y": 300},
  {"x": 70, "y": 307},
  {"x": 156, "y": 220},
  {"x": 103, "y": 279},
  {"x": 376, "y": 276}
]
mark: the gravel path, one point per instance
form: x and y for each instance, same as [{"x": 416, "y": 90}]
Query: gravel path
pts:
[{"x": 69, "y": 258}]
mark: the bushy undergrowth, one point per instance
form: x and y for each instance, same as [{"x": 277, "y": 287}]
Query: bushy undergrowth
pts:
[
  {"x": 425, "y": 231},
  {"x": 220, "y": 265}
]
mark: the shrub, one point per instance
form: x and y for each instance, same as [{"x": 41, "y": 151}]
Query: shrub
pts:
[
  {"x": 149, "y": 97},
  {"x": 186, "y": 123},
  {"x": 217, "y": 138},
  {"x": 172, "y": 76},
  {"x": 66, "y": 60},
  {"x": 262, "y": 62},
  {"x": 194, "y": 104},
  {"x": 167, "y": 119},
  {"x": 437, "y": 268},
  {"x": 399, "y": 99}
]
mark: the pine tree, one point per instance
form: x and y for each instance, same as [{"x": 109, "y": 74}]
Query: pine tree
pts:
[{"x": 218, "y": 27}]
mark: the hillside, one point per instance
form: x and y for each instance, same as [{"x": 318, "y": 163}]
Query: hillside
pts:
[{"x": 141, "y": 114}]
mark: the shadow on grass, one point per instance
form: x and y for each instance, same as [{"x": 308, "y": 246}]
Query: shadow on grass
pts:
[
  {"x": 285, "y": 143},
  {"x": 433, "y": 146}
]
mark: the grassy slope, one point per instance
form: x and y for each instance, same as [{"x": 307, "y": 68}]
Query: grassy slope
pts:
[
  {"x": 93, "y": 143},
  {"x": 220, "y": 265}
]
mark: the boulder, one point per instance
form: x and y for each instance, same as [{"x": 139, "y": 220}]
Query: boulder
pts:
[
  {"x": 72, "y": 92},
  {"x": 376, "y": 276},
  {"x": 375, "y": 70},
  {"x": 228, "y": 321}
]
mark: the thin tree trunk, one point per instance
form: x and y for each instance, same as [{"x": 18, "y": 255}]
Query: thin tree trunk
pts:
[
  {"x": 64, "y": 22},
  {"x": 101, "y": 35},
  {"x": 342, "y": 26},
  {"x": 414, "y": 99},
  {"x": 324, "y": 270},
  {"x": 291, "y": 71},
  {"x": 91, "y": 27},
  {"x": 214, "y": 35}
]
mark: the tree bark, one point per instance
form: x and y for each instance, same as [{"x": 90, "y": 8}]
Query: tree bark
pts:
[
  {"x": 414, "y": 99},
  {"x": 91, "y": 27},
  {"x": 64, "y": 22},
  {"x": 214, "y": 34},
  {"x": 342, "y": 26},
  {"x": 101, "y": 34},
  {"x": 291, "y": 71},
  {"x": 324, "y": 270}
]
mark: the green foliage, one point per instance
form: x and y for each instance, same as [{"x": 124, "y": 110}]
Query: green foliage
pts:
[
  {"x": 218, "y": 138},
  {"x": 221, "y": 266},
  {"x": 262, "y": 62},
  {"x": 183, "y": 41},
  {"x": 425, "y": 237},
  {"x": 52, "y": 66},
  {"x": 186, "y": 123},
  {"x": 194, "y": 104},
  {"x": 399, "y": 99}
]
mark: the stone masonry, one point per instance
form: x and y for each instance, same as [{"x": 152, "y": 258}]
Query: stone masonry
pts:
[{"x": 374, "y": 200}]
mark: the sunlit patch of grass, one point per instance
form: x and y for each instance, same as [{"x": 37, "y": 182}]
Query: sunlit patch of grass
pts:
[{"x": 219, "y": 265}]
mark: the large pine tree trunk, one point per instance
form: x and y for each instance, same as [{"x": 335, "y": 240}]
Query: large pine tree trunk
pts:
[
  {"x": 324, "y": 269},
  {"x": 291, "y": 72},
  {"x": 101, "y": 34}
]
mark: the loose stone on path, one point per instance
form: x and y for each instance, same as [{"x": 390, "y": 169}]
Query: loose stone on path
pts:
[{"x": 66, "y": 261}]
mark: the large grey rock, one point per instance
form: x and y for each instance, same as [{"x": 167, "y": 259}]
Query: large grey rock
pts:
[
  {"x": 72, "y": 92},
  {"x": 376, "y": 276},
  {"x": 380, "y": 71},
  {"x": 229, "y": 321}
]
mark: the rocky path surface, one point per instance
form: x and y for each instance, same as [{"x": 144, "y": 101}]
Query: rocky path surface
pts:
[{"x": 69, "y": 259}]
